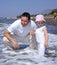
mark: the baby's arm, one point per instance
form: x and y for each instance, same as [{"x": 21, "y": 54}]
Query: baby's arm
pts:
[{"x": 46, "y": 37}]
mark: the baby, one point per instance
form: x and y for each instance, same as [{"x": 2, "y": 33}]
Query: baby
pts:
[{"x": 41, "y": 35}]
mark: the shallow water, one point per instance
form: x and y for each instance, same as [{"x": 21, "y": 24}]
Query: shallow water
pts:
[{"x": 27, "y": 56}]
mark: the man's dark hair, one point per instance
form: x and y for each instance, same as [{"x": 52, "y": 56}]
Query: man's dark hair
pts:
[{"x": 26, "y": 14}]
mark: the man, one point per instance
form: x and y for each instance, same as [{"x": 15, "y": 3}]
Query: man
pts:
[
  {"x": 55, "y": 15},
  {"x": 19, "y": 32}
]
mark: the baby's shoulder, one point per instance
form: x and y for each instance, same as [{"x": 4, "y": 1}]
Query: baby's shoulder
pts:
[{"x": 44, "y": 27}]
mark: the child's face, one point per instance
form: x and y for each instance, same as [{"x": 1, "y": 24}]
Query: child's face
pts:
[{"x": 39, "y": 23}]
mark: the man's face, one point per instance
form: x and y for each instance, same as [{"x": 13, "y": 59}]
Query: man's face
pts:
[{"x": 24, "y": 20}]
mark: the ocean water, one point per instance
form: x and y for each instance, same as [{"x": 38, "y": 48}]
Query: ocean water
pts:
[{"x": 27, "y": 56}]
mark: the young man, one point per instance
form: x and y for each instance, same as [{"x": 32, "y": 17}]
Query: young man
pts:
[{"x": 19, "y": 32}]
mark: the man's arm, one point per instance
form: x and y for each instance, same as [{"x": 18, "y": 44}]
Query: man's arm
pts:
[{"x": 8, "y": 36}]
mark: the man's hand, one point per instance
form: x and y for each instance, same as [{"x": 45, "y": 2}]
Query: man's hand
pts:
[{"x": 15, "y": 45}]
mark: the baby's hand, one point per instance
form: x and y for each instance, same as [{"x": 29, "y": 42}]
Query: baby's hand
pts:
[{"x": 32, "y": 32}]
